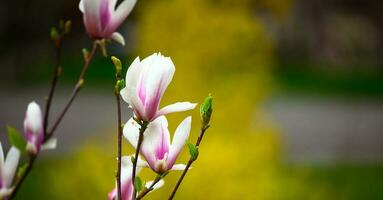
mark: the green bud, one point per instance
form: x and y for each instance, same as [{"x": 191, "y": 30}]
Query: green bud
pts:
[
  {"x": 193, "y": 150},
  {"x": 120, "y": 84},
  {"x": 67, "y": 26},
  {"x": 206, "y": 110},
  {"x": 138, "y": 185},
  {"x": 54, "y": 34},
  {"x": 85, "y": 54},
  {"x": 117, "y": 65}
]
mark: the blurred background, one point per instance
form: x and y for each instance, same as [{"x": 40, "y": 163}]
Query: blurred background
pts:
[{"x": 297, "y": 88}]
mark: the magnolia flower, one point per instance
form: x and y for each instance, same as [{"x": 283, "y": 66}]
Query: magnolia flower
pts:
[
  {"x": 156, "y": 147},
  {"x": 33, "y": 128},
  {"x": 146, "y": 82},
  {"x": 34, "y": 132},
  {"x": 126, "y": 179},
  {"x": 102, "y": 18},
  {"x": 7, "y": 170}
]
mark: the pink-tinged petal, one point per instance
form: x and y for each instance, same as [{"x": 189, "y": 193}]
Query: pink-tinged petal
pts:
[
  {"x": 91, "y": 17},
  {"x": 156, "y": 186},
  {"x": 118, "y": 38},
  {"x": 10, "y": 166},
  {"x": 33, "y": 128},
  {"x": 156, "y": 141},
  {"x": 131, "y": 132},
  {"x": 119, "y": 16},
  {"x": 179, "y": 139},
  {"x": 112, "y": 195},
  {"x": 105, "y": 13},
  {"x": 179, "y": 167},
  {"x": 176, "y": 107},
  {"x": 129, "y": 93},
  {"x": 159, "y": 71}
]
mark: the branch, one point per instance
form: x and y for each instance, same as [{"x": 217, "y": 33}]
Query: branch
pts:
[
  {"x": 143, "y": 125},
  {"x": 190, "y": 162},
  {"x": 50, "y": 133}
]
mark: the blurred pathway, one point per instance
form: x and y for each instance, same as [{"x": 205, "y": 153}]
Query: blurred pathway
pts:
[{"x": 320, "y": 129}]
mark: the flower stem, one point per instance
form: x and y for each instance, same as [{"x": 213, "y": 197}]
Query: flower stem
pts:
[
  {"x": 147, "y": 190},
  {"x": 190, "y": 162},
  {"x": 119, "y": 128},
  {"x": 143, "y": 127},
  {"x": 75, "y": 91},
  {"x": 50, "y": 133},
  {"x": 56, "y": 74}
]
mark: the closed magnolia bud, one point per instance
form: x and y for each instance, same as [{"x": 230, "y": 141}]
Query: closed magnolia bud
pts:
[
  {"x": 206, "y": 110},
  {"x": 33, "y": 128}
]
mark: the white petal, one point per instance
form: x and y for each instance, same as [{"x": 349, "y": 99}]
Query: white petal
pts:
[
  {"x": 159, "y": 184},
  {"x": 81, "y": 6},
  {"x": 92, "y": 17},
  {"x": 1, "y": 155},
  {"x": 158, "y": 73},
  {"x": 129, "y": 93},
  {"x": 179, "y": 139},
  {"x": 176, "y": 107},
  {"x": 10, "y": 165},
  {"x": 34, "y": 118},
  {"x": 180, "y": 167},
  {"x": 127, "y": 161},
  {"x": 131, "y": 132},
  {"x": 122, "y": 11},
  {"x": 49, "y": 144},
  {"x": 156, "y": 136},
  {"x": 118, "y": 38}
]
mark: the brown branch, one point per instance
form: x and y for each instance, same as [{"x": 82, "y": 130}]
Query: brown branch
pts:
[
  {"x": 75, "y": 91},
  {"x": 50, "y": 133},
  {"x": 190, "y": 162},
  {"x": 143, "y": 127}
]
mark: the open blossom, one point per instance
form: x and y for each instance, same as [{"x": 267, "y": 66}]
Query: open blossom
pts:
[
  {"x": 7, "y": 170},
  {"x": 102, "y": 18},
  {"x": 156, "y": 147},
  {"x": 33, "y": 128},
  {"x": 126, "y": 179},
  {"x": 146, "y": 82}
]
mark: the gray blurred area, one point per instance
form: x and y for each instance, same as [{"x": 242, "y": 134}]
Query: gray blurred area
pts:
[
  {"x": 329, "y": 129},
  {"x": 93, "y": 113}
]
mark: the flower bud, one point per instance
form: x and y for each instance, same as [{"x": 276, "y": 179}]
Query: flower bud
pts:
[
  {"x": 206, "y": 110},
  {"x": 33, "y": 128}
]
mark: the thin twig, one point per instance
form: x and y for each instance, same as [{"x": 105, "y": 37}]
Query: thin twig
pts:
[
  {"x": 143, "y": 127},
  {"x": 145, "y": 191},
  {"x": 56, "y": 74},
  {"x": 74, "y": 92},
  {"x": 190, "y": 162},
  {"x": 50, "y": 133},
  {"x": 119, "y": 127}
]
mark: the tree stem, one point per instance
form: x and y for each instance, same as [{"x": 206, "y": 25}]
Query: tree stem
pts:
[
  {"x": 143, "y": 125},
  {"x": 190, "y": 162},
  {"x": 56, "y": 74},
  {"x": 74, "y": 92},
  {"x": 119, "y": 128},
  {"x": 50, "y": 133}
]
